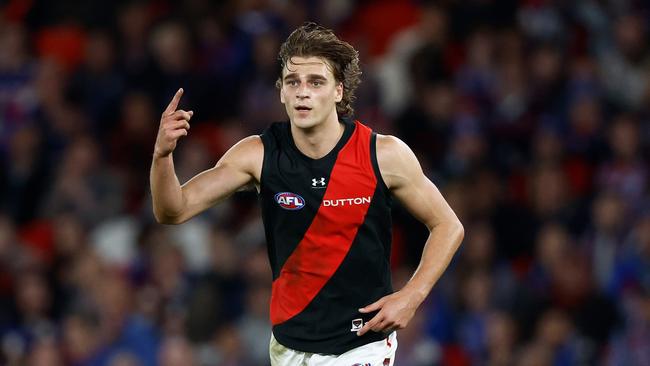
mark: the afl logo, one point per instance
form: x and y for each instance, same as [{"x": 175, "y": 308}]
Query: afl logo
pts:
[{"x": 289, "y": 201}]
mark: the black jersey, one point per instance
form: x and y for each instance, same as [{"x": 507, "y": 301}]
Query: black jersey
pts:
[{"x": 328, "y": 228}]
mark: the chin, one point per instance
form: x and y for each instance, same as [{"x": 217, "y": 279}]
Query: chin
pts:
[{"x": 304, "y": 123}]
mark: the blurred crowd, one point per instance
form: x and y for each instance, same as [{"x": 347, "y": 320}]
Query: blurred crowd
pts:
[{"x": 530, "y": 116}]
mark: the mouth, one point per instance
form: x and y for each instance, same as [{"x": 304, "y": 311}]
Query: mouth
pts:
[{"x": 302, "y": 108}]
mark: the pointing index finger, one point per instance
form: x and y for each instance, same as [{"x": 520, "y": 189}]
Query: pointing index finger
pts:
[{"x": 171, "y": 108}]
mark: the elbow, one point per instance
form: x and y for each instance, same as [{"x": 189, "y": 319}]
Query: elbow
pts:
[
  {"x": 161, "y": 218},
  {"x": 456, "y": 233},
  {"x": 452, "y": 229},
  {"x": 459, "y": 231}
]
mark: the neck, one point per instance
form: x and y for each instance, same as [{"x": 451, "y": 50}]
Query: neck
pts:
[{"x": 318, "y": 141}]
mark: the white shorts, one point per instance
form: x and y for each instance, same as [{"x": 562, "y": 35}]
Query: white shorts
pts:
[{"x": 380, "y": 353}]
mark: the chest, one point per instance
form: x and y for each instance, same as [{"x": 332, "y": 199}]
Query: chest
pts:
[{"x": 292, "y": 184}]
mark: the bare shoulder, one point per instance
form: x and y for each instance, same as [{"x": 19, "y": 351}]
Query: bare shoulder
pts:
[
  {"x": 249, "y": 145},
  {"x": 246, "y": 155},
  {"x": 396, "y": 160},
  {"x": 388, "y": 146}
]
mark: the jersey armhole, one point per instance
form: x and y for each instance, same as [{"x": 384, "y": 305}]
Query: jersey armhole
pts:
[
  {"x": 264, "y": 137},
  {"x": 375, "y": 164}
]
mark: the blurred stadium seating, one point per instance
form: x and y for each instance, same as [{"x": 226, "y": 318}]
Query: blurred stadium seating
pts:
[{"x": 531, "y": 116}]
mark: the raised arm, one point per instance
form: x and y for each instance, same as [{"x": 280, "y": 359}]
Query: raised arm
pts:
[
  {"x": 175, "y": 204},
  {"x": 403, "y": 175}
]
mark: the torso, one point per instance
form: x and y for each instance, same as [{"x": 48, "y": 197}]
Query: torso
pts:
[{"x": 327, "y": 223}]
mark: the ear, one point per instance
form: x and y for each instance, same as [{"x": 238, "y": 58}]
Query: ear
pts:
[
  {"x": 339, "y": 92},
  {"x": 282, "y": 95}
]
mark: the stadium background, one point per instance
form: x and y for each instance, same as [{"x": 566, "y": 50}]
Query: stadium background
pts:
[{"x": 531, "y": 116}]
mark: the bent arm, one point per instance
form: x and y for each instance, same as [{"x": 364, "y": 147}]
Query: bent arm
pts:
[
  {"x": 174, "y": 203},
  {"x": 403, "y": 175}
]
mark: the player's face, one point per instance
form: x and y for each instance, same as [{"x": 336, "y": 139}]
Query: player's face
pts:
[{"x": 309, "y": 91}]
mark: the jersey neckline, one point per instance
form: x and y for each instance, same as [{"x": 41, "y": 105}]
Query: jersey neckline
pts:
[{"x": 347, "y": 132}]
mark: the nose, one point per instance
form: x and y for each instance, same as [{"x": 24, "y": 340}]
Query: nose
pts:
[{"x": 302, "y": 92}]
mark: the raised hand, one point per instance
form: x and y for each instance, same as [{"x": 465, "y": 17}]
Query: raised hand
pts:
[{"x": 173, "y": 124}]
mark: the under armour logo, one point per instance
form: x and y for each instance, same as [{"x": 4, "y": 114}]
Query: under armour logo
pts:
[{"x": 318, "y": 183}]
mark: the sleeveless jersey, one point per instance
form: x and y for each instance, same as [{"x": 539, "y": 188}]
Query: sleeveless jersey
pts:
[{"x": 328, "y": 229}]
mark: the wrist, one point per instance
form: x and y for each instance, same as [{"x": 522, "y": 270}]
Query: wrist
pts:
[
  {"x": 157, "y": 155},
  {"x": 415, "y": 293}
]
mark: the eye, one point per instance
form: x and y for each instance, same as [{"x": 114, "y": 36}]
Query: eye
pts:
[
  {"x": 291, "y": 82},
  {"x": 317, "y": 83}
]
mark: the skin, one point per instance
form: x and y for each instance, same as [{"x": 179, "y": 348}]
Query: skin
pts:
[{"x": 309, "y": 82}]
